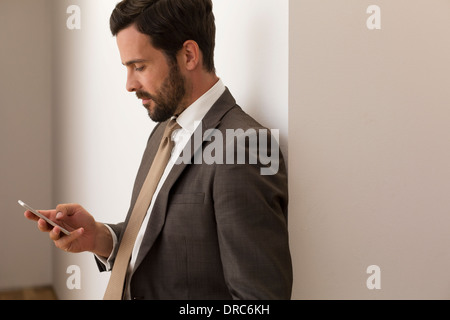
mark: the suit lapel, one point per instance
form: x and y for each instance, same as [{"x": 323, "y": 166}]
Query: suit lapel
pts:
[{"x": 158, "y": 215}]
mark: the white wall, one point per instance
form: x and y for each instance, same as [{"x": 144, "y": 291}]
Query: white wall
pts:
[
  {"x": 25, "y": 140},
  {"x": 252, "y": 51},
  {"x": 101, "y": 130},
  {"x": 369, "y": 149}
]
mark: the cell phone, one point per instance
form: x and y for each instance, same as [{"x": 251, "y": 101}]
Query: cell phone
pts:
[{"x": 36, "y": 213}]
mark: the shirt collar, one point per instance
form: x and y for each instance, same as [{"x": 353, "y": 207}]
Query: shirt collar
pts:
[{"x": 194, "y": 114}]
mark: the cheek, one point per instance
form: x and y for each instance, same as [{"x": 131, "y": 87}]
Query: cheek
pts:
[
  {"x": 151, "y": 82},
  {"x": 155, "y": 75}
]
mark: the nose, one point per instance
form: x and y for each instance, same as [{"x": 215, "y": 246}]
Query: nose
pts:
[{"x": 133, "y": 84}]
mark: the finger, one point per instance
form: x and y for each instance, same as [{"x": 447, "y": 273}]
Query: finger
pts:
[
  {"x": 44, "y": 226},
  {"x": 47, "y": 213},
  {"x": 65, "y": 243},
  {"x": 31, "y": 216},
  {"x": 55, "y": 233}
]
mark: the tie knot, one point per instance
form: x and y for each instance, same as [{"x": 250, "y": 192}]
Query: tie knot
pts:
[{"x": 171, "y": 127}]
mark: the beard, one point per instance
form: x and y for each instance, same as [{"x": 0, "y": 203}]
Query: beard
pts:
[{"x": 168, "y": 98}]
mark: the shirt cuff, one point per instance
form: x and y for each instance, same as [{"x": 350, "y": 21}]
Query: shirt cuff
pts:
[{"x": 108, "y": 262}]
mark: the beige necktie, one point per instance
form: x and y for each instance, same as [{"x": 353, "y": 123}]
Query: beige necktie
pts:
[{"x": 115, "y": 288}]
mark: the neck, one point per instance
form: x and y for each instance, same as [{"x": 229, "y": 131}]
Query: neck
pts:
[
  {"x": 201, "y": 84},
  {"x": 197, "y": 86}
]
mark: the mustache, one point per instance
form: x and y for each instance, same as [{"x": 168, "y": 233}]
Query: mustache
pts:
[{"x": 144, "y": 95}]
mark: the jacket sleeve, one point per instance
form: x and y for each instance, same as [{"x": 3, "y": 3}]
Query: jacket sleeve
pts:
[
  {"x": 102, "y": 266},
  {"x": 251, "y": 216}
]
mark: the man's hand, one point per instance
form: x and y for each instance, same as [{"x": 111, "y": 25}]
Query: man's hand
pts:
[{"x": 85, "y": 233}]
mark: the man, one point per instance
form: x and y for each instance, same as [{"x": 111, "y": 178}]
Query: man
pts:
[{"x": 210, "y": 229}]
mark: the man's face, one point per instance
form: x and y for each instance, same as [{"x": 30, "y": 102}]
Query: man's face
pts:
[{"x": 159, "y": 84}]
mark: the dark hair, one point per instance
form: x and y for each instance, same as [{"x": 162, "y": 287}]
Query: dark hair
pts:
[{"x": 170, "y": 23}]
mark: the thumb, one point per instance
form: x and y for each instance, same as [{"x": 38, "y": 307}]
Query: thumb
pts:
[{"x": 65, "y": 210}]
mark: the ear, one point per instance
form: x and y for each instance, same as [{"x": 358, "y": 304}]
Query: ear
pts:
[{"x": 190, "y": 55}]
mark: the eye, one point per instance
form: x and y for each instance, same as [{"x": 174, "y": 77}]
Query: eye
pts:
[{"x": 139, "y": 69}]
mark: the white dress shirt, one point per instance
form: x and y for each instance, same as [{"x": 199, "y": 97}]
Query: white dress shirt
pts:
[{"x": 189, "y": 121}]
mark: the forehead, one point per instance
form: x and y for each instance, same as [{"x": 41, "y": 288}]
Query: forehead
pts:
[{"x": 134, "y": 45}]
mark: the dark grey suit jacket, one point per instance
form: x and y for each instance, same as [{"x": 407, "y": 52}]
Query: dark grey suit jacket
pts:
[{"x": 216, "y": 231}]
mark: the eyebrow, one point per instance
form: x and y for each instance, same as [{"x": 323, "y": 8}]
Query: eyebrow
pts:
[{"x": 129, "y": 63}]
